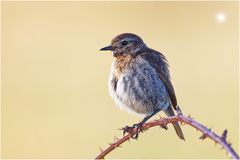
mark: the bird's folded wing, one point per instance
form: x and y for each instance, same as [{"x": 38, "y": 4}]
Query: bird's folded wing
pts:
[{"x": 159, "y": 63}]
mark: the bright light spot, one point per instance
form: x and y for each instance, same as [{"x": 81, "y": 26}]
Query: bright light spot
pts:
[{"x": 221, "y": 17}]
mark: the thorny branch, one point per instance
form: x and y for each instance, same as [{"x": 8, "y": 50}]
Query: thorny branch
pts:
[{"x": 207, "y": 133}]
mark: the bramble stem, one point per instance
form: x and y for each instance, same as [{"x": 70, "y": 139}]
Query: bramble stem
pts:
[{"x": 179, "y": 118}]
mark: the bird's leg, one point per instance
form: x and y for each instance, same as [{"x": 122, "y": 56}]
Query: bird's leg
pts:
[{"x": 139, "y": 125}]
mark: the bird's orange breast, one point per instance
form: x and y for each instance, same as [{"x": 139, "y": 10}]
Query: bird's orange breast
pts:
[{"x": 122, "y": 64}]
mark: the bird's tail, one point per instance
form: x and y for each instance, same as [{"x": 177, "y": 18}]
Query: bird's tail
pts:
[{"x": 169, "y": 112}]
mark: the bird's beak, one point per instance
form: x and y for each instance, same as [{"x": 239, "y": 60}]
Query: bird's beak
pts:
[{"x": 108, "y": 48}]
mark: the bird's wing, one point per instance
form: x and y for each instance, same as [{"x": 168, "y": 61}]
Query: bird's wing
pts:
[{"x": 159, "y": 62}]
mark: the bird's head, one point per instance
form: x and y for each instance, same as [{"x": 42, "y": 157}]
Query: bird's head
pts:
[{"x": 125, "y": 44}]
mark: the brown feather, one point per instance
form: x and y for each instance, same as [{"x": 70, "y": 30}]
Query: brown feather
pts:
[
  {"x": 122, "y": 62},
  {"x": 169, "y": 112},
  {"x": 159, "y": 62}
]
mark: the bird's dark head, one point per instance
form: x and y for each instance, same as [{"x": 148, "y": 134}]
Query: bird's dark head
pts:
[{"x": 125, "y": 44}]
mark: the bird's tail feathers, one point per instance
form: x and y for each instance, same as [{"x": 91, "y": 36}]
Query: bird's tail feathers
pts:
[{"x": 169, "y": 112}]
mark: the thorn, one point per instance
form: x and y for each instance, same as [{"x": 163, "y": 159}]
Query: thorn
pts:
[
  {"x": 110, "y": 144},
  {"x": 129, "y": 140},
  {"x": 179, "y": 112},
  {"x": 215, "y": 143},
  {"x": 119, "y": 146},
  {"x": 101, "y": 149},
  {"x": 115, "y": 138},
  {"x": 224, "y": 134},
  {"x": 210, "y": 129},
  {"x": 204, "y": 136},
  {"x": 164, "y": 126},
  {"x": 190, "y": 116}
]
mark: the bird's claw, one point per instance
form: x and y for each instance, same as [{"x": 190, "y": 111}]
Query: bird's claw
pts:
[
  {"x": 129, "y": 129},
  {"x": 139, "y": 127}
]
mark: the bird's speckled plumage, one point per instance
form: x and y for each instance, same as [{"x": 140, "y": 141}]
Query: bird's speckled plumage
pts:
[
  {"x": 137, "y": 86},
  {"x": 139, "y": 79}
]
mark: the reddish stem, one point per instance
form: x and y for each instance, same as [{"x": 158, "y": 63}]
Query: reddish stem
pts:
[{"x": 180, "y": 118}]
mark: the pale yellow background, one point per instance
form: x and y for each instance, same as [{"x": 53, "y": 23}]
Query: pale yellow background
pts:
[{"x": 55, "y": 101}]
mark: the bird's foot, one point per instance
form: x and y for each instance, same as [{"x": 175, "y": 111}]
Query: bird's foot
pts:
[{"x": 129, "y": 129}]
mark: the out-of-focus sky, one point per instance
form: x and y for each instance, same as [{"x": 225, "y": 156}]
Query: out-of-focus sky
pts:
[{"x": 55, "y": 101}]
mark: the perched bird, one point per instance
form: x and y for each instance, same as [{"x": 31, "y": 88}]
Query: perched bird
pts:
[{"x": 139, "y": 79}]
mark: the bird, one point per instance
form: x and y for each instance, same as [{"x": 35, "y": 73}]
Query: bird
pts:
[{"x": 139, "y": 80}]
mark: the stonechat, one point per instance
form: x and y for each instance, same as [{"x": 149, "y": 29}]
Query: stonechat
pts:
[{"x": 140, "y": 80}]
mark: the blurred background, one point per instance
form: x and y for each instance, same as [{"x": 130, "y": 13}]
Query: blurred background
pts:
[{"x": 55, "y": 101}]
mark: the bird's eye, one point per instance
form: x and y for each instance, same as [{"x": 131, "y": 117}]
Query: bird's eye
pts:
[{"x": 124, "y": 43}]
